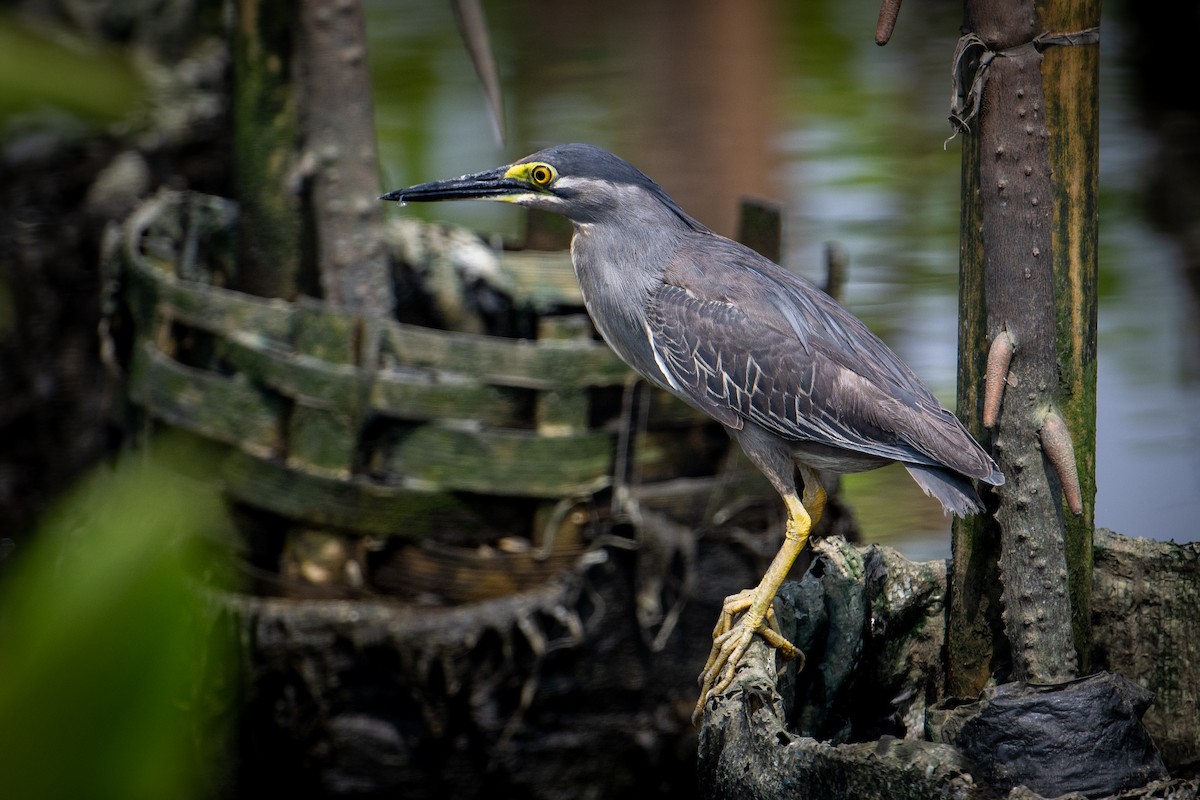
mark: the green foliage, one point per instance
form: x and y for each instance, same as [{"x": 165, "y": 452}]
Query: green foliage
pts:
[
  {"x": 112, "y": 657},
  {"x": 37, "y": 73}
]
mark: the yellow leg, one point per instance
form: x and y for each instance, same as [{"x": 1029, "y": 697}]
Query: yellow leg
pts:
[
  {"x": 814, "y": 495},
  {"x": 729, "y": 640}
]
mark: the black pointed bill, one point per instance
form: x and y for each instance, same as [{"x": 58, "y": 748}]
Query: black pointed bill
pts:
[{"x": 493, "y": 184}]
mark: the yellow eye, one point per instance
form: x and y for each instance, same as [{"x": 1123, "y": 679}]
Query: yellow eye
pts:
[{"x": 541, "y": 174}]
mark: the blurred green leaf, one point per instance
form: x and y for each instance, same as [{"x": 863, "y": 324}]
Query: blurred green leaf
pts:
[
  {"x": 37, "y": 73},
  {"x": 112, "y": 656}
]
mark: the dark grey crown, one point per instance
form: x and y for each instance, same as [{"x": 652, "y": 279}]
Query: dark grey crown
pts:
[{"x": 589, "y": 161}]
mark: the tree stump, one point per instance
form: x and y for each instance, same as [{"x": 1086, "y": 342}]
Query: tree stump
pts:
[{"x": 869, "y": 620}]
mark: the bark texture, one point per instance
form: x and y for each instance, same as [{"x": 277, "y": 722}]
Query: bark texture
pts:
[
  {"x": 1146, "y": 611},
  {"x": 1015, "y": 192},
  {"x": 1021, "y": 584},
  {"x": 339, "y": 149},
  {"x": 1095, "y": 737},
  {"x": 307, "y": 169},
  {"x": 266, "y": 129}
]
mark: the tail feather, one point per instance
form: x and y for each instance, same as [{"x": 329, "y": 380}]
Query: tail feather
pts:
[{"x": 952, "y": 490}]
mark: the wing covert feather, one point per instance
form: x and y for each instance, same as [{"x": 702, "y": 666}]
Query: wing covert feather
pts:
[{"x": 757, "y": 343}]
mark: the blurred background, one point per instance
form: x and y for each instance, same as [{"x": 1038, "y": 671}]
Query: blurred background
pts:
[
  {"x": 796, "y": 104},
  {"x": 718, "y": 100}
]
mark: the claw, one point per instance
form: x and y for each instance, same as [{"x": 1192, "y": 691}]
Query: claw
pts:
[
  {"x": 730, "y": 642},
  {"x": 756, "y": 606}
]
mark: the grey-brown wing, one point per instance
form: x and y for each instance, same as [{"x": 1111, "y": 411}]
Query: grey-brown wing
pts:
[{"x": 820, "y": 376}]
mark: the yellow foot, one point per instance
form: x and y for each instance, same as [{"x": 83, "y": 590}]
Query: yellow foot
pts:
[{"x": 730, "y": 641}]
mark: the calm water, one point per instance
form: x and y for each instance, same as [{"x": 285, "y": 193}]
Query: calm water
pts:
[{"x": 796, "y": 104}]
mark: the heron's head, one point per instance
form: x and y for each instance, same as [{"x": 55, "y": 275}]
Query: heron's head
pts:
[{"x": 580, "y": 181}]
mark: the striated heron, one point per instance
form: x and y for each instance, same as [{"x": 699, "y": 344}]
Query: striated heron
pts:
[{"x": 798, "y": 380}]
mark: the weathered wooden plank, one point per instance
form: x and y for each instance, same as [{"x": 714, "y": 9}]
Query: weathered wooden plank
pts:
[
  {"x": 224, "y": 409},
  {"x": 326, "y": 333},
  {"x": 210, "y": 307},
  {"x": 507, "y": 362},
  {"x": 563, "y": 410},
  {"x": 413, "y": 395},
  {"x": 516, "y": 463},
  {"x": 358, "y": 504},
  {"x": 321, "y": 440},
  {"x": 141, "y": 294},
  {"x": 255, "y": 330},
  {"x": 318, "y": 383},
  {"x": 414, "y": 398}
]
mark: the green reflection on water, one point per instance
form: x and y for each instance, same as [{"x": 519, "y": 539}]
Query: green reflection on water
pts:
[{"x": 858, "y": 144}]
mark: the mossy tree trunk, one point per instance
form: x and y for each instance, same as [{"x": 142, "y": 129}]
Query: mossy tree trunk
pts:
[
  {"x": 305, "y": 157},
  {"x": 266, "y": 130},
  {"x": 1071, "y": 81},
  {"x": 1020, "y": 590}
]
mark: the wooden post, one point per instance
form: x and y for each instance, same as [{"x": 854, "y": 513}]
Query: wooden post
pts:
[
  {"x": 1028, "y": 279},
  {"x": 265, "y": 159},
  {"x": 305, "y": 159},
  {"x": 339, "y": 150}
]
